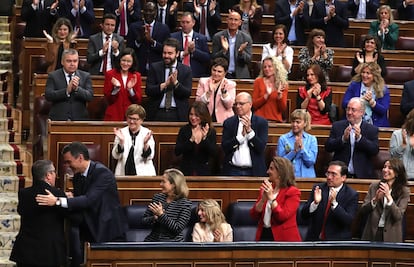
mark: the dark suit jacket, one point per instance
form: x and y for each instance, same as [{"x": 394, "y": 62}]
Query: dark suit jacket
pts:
[
  {"x": 72, "y": 107},
  {"x": 147, "y": 53},
  {"x": 364, "y": 150},
  {"x": 213, "y": 21},
  {"x": 135, "y": 15},
  {"x": 181, "y": 93},
  {"x": 339, "y": 221},
  {"x": 335, "y": 27},
  {"x": 87, "y": 19},
  {"x": 41, "y": 239},
  {"x": 405, "y": 13},
  {"x": 371, "y": 8},
  {"x": 170, "y": 19},
  {"x": 94, "y": 45},
  {"x": 37, "y": 21},
  {"x": 200, "y": 58},
  {"x": 407, "y": 99},
  {"x": 97, "y": 201},
  {"x": 242, "y": 60},
  {"x": 282, "y": 16},
  {"x": 257, "y": 144}
]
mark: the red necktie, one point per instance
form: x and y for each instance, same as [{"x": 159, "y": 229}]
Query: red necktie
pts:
[
  {"x": 203, "y": 20},
  {"x": 186, "y": 59},
  {"x": 105, "y": 59},
  {"x": 325, "y": 217},
  {"x": 122, "y": 30}
]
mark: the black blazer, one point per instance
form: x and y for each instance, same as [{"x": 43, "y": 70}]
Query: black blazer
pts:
[
  {"x": 87, "y": 19},
  {"x": 37, "y": 21},
  {"x": 339, "y": 221},
  {"x": 335, "y": 27},
  {"x": 282, "y": 16},
  {"x": 213, "y": 21},
  {"x": 364, "y": 150},
  {"x": 182, "y": 92},
  {"x": 170, "y": 19},
  {"x": 407, "y": 99},
  {"x": 41, "y": 239},
  {"x": 135, "y": 15}
]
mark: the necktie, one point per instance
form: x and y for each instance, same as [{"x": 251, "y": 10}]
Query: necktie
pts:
[
  {"x": 161, "y": 15},
  {"x": 105, "y": 59},
  {"x": 203, "y": 20},
  {"x": 325, "y": 217},
  {"x": 78, "y": 20},
  {"x": 122, "y": 30},
  {"x": 186, "y": 59},
  {"x": 351, "y": 162},
  {"x": 41, "y": 6},
  {"x": 168, "y": 93},
  {"x": 130, "y": 162},
  {"x": 69, "y": 78}
]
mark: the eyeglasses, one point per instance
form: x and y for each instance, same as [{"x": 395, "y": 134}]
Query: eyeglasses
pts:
[
  {"x": 133, "y": 118},
  {"x": 240, "y": 103},
  {"x": 334, "y": 174}
]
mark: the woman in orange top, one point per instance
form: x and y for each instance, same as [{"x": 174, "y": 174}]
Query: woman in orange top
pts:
[{"x": 271, "y": 90}]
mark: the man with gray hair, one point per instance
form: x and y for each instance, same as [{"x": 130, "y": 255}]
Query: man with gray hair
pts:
[
  {"x": 354, "y": 141},
  {"x": 69, "y": 89}
]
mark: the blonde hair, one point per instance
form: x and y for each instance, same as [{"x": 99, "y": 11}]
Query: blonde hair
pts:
[
  {"x": 302, "y": 114},
  {"x": 379, "y": 82},
  {"x": 176, "y": 177},
  {"x": 214, "y": 216},
  {"x": 388, "y": 8},
  {"x": 59, "y": 23},
  {"x": 279, "y": 70}
]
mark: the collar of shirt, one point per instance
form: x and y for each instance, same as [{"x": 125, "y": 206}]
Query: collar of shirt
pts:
[
  {"x": 291, "y": 134},
  {"x": 104, "y": 36},
  {"x": 163, "y": 7},
  {"x": 151, "y": 24},
  {"x": 358, "y": 123},
  {"x": 85, "y": 173},
  {"x": 337, "y": 189},
  {"x": 67, "y": 73},
  {"x": 190, "y": 35},
  {"x": 250, "y": 115}
]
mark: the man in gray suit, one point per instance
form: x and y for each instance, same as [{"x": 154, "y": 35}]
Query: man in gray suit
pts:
[
  {"x": 104, "y": 47},
  {"x": 69, "y": 89},
  {"x": 235, "y": 46}
]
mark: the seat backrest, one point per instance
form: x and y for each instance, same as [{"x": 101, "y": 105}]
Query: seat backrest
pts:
[
  {"x": 137, "y": 231},
  {"x": 303, "y": 224},
  {"x": 244, "y": 227},
  {"x": 343, "y": 73},
  {"x": 405, "y": 43},
  {"x": 378, "y": 162},
  {"x": 399, "y": 75}
]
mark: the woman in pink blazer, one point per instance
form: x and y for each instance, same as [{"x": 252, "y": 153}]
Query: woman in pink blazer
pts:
[
  {"x": 217, "y": 92},
  {"x": 276, "y": 206},
  {"x": 122, "y": 86}
]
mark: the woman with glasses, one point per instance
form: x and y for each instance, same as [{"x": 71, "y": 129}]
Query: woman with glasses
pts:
[
  {"x": 271, "y": 90},
  {"x": 122, "y": 86},
  {"x": 134, "y": 146},
  {"x": 298, "y": 146},
  {"x": 386, "y": 203},
  {"x": 196, "y": 142},
  {"x": 370, "y": 87}
]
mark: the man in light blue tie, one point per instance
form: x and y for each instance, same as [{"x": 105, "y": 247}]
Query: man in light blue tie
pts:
[{"x": 354, "y": 141}]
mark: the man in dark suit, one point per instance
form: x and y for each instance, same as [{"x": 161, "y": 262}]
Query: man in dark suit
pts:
[
  {"x": 296, "y": 21},
  {"x": 81, "y": 15},
  {"x": 95, "y": 202},
  {"x": 69, "y": 89},
  {"x": 167, "y": 14},
  {"x": 41, "y": 239},
  {"x": 405, "y": 9},
  {"x": 235, "y": 46},
  {"x": 169, "y": 85},
  {"x": 331, "y": 206},
  {"x": 147, "y": 37},
  {"x": 333, "y": 22},
  {"x": 104, "y": 47},
  {"x": 354, "y": 141},
  {"x": 39, "y": 15},
  {"x": 244, "y": 140},
  {"x": 407, "y": 99},
  {"x": 207, "y": 15},
  {"x": 364, "y": 9},
  {"x": 193, "y": 48},
  {"x": 126, "y": 12}
]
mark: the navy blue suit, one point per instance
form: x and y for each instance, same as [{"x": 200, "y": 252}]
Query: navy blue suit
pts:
[
  {"x": 370, "y": 11},
  {"x": 407, "y": 99},
  {"x": 364, "y": 150},
  {"x": 131, "y": 16},
  {"x": 87, "y": 19},
  {"x": 339, "y": 220},
  {"x": 257, "y": 144},
  {"x": 37, "y": 20},
  {"x": 182, "y": 92},
  {"x": 200, "y": 58},
  {"x": 146, "y": 52},
  {"x": 213, "y": 21},
  {"x": 335, "y": 27},
  {"x": 282, "y": 16},
  {"x": 405, "y": 13}
]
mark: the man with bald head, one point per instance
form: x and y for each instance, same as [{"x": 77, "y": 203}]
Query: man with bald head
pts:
[
  {"x": 354, "y": 141},
  {"x": 244, "y": 140}
]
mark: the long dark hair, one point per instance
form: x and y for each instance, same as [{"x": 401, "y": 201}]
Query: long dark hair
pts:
[
  {"x": 320, "y": 74},
  {"x": 400, "y": 177},
  {"x": 309, "y": 43},
  {"x": 201, "y": 110}
]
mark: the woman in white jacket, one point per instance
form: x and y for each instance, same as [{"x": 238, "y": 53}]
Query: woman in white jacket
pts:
[
  {"x": 279, "y": 48},
  {"x": 134, "y": 146}
]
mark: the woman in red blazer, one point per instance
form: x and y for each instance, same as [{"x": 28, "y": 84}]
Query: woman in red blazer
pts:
[
  {"x": 276, "y": 206},
  {"x": 122, "y": 86}
]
